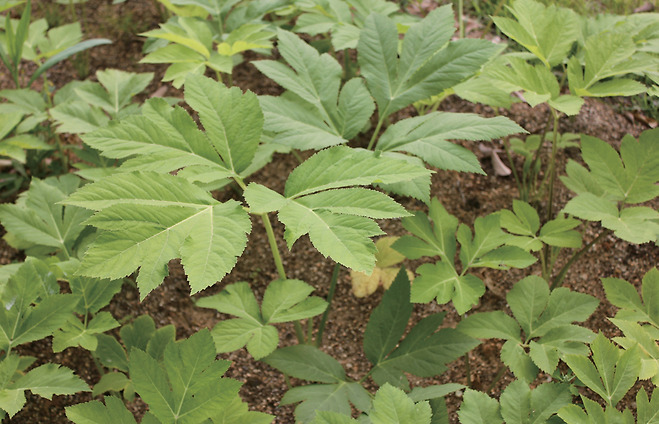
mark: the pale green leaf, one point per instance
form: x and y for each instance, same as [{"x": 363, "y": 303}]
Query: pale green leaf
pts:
[
  {"x": 486, "y": 325},
  {"x": 233, "y": 120},
  {"x": 393, "y": 406},
  {"x": 150, "y": 224},
  {"x": 479, "y": 408},
  {"x": 427, "y": 137},
  {"x": 113, "y": 412},
  {"x": 38, "y": 219},
  {"x": 427, "y": 65},
  {"x": 536, "y": 28},
  {"x": 189, "y": 388}
]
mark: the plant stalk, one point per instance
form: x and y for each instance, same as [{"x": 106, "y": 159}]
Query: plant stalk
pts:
[
  {"x": 330, "y": 297},
  {"x": 273, "y": 246},
  {"x": 371, "y": 143},
  {"x": 461, "y": 25},
  {"x": 561, "y": 274}
]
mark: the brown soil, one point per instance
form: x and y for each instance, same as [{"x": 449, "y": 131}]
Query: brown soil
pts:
[{"x": 465, "y": 195}]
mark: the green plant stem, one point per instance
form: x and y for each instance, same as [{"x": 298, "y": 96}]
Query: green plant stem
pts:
[
  {"x": 551, "y": 174},
  {"x": 506, "y": 148},
  {"x": 461, "y": 24},
  {"x": 552, "y": 165},
  {"x": 299, "y": 333},
  {"x": 497, "y": 377},
  {"x": 488, "y": 27},
  {"x": 543, "y": 262},
  {"x": 561, "y": 274},
  {"x": 371, "y": 143},
  {"x": 467, "y": 370},
  {"x": 310, "y": 329},
  {"x": 273, "y": 246},
  {"x": 346, "y": 65},
  {"x": 330, "y": 297},
  {"x": 297, "y": 156}
]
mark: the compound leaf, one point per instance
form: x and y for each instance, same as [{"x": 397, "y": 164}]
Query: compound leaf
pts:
[
  {"x": 149, "y": 224},
  {"x": 190, "y": 387}
]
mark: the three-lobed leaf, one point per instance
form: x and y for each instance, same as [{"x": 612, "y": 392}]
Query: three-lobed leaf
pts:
[{"x": 283, "y": 301}]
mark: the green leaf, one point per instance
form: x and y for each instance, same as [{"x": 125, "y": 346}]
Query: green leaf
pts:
[
  {"x": 284, "y": 300},
  {"x": 516, "y": 359},
  {"x": 342, "y": 232},
  {"x": 536, "y": 28},
  {"x": 317, "y": 115},
  {"x": 563, "y": 307},
  {"x": 115, "y": 90},
  {"x": 190, "y": 387},
  {"x": 612, "y": 372},
  {"x": 528, "y": 299},
  {"x": 393, "y": 406},
  {"x": 46, "y": 380},
  {"x": 623, "y": 295},
  {"x": 308, "y": 363},
  {"x": 75, "y": 333},
  {"x": 22, "y": 324},
  {"x": 423, "y": 352},
  {"x": 524, "y": 221},
  {"x": 487, "y": 325},
  {"x": 112, "y": 381},
  {"x": 237, "y": 413},
  {"x": 113, "y": 412},
  {"x": 607, "y": 54},
  {"x": 164, "y": 140},
  {"x": 428, "y": 62},
  {"x": 78, "y": 117},
  {"x": 233, "y": 120},
  {"x": 38, "y": 218},
  {"x": 558, "y": 232},
  {"x": 388, "y": 320},
  {"x": 434, "y": 240},
  {"x": 341, "y": 166},
  {"x": 65, "y": 54},
  {"x": 328, "y": 417},
  {"x": 319, "y": 397},
  {"x": 647, "y": 411},
  {"x": 94, "y": 294},
  {"x": 520, "y": 404},
  {"x": 149, "y": 225},
  {"x": 479, "y": 408},
  {"x": 427, "y": 137},
  {"x": 441, "y": 281},
  {"x": 288, "y": 300}
]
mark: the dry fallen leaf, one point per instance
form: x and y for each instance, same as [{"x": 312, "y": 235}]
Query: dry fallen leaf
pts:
[{"x": 385, "y": 270}]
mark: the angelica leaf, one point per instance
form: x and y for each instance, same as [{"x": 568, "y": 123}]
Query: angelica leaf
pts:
[
  {"x": 189, "y": 386},
  {"x": 392, "y": 405},
  {"x": 318, "y": 115},
  {"x": 423, "y": 352},
  {"x": 479, "y": 408},
  {"x": 146, "y": 225},
  {"x": 46, "y": 380},
  {"x": 95, "y": 412},
  {"x": 38, "y": 219},
  {"x": 319, "y": 200},
  {"x": 536, "y": 26},
  {"x": 283, "y": 301},
  {"x": 429, "y": 63},
  {"x": 611, "y": 373},
  {"x": 607, "y": 54},
  {"x": 626, "y": 179},
  {"x": 427, "y": 137}
]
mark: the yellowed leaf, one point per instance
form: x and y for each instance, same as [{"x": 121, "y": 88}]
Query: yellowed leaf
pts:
[{"x": 364, "y": 284}]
